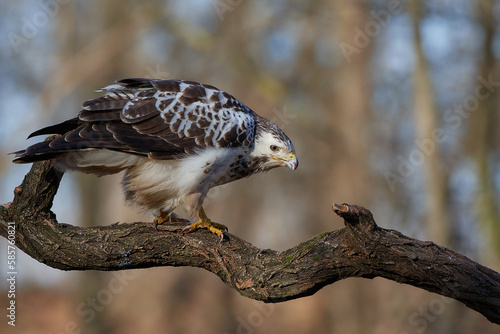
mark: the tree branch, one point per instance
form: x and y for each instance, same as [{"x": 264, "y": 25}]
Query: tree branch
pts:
[{"x": 361, "y": 249}]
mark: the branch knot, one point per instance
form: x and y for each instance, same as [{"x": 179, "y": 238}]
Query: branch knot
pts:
[{"x": 355, "y": 216}]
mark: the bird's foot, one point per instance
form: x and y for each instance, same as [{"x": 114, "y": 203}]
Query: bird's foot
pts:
[
  {"x": 205, "y": 222},
  {"x": 164, "y": 217}
]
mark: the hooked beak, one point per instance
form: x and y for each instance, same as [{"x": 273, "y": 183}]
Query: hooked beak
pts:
[{"x": 293, "y": 162}]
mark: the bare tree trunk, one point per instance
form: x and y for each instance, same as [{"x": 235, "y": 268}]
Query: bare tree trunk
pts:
[
  {"x": 427, "y": 140},
  {"x": 483, "y": 124},
  {"x": 349, "y": 118},
  {"x": 350, "y": 104}
]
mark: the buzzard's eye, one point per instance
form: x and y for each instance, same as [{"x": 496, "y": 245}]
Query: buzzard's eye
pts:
[{"x": 274, "y": 148}]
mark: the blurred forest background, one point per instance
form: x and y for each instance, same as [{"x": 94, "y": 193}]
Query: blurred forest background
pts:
[{"x": 390, "y": 104}]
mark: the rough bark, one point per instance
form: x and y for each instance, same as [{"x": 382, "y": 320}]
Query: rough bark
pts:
[{"x": 361, "y": 249}]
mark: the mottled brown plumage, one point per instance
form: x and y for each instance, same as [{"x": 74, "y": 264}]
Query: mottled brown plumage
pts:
[{"x": 175, "y": 140}]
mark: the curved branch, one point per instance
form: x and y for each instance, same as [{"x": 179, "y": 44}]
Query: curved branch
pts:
[{"x": 361, "y": 249}]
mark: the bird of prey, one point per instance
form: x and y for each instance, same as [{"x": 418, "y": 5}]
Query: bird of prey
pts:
[{"x": 174, "y": 139}]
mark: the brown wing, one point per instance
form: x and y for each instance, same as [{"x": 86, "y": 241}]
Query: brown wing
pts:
[{"x": 163, "y": 119}]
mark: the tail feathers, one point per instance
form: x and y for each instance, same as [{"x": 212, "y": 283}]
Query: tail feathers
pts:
[
  {"x": 75, "y": 136},
  {"x": 92, "y": 161},
  {"x": 37, "y": 152},
  {"x": 59, "y": 129},
  {"x": 44, "y": 150}
]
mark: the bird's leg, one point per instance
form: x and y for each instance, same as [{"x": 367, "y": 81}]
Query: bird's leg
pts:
[
  {"x": 164, "y": 217},
  {"x": 205, "y": 222}
]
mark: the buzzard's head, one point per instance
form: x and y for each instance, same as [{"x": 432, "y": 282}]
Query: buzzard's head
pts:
[{"x": 273, "y": 148}]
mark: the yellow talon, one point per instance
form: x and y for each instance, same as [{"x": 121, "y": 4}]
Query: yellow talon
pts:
[
  {"x": 205, "y": 222},
  {"x": 164, "y": 217}
]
